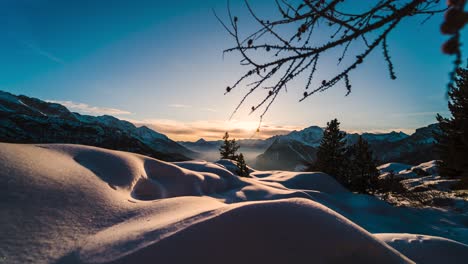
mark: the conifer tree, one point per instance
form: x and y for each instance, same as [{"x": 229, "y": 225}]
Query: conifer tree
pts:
[
  {"x": 242, "y": 169},
  {"x": 330, "y": 154},
  {"x": 452, "y": 140},
  {"x": 228, "y": 150},
  {"x": 361, "y": 168}
]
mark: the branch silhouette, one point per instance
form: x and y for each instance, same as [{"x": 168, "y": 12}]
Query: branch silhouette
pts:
[{"x": 297, "y": 52}]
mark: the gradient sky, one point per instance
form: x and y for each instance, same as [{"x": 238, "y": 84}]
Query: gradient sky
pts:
[{"x": 160, "y": 63}]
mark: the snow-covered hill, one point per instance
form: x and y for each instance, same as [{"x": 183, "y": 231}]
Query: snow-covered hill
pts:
[
  {"x": 80, "y": 204},
  {"x": 30, "y": 120}
]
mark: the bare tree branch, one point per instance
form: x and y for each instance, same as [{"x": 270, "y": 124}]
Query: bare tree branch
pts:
[{"x": 294, "y": 54}]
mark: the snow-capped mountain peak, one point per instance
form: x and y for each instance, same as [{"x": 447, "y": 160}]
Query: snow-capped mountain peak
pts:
[{"x": 310, "y": 136}]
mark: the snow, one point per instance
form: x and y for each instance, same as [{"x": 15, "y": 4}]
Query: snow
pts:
[
  {"x": 394, "y": 167},
  {"x": 424, "y": 187},
  {"x": 309, "y": 136},
  {"x": 406, "y": 171},
  {"x": 430, "y": 167},
  {"x": 421, "y": 248},
  {"x": 78, "y": 204}
]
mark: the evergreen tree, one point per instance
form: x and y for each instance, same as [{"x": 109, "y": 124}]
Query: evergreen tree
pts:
[
  {"x": 228, "y": 150},
  {"x": 242, "y": 169},
  {"x": 330, "y": 154},
  {"x": 361, "y": 168},
  {"x": 452, "y": 140}
]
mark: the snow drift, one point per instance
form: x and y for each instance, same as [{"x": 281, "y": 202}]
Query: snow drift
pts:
[{"x": 78, "y": 204}]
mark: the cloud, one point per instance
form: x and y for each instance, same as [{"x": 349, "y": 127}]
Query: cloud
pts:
[
  {"x": 213, "y": 130},
  {"x": 92, "y": 110},
  {"x": 179, "y": 106},
  {"x": 44, "y": 53}
]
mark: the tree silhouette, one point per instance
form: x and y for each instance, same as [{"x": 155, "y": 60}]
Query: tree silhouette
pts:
[
  {"x": 361, "y": 168},
  {"x": 275, "y": 58},
  {"x": 242, "y": 169},
  {"x": 331, "y": 152},
  {"x": 228, "y": 150},
  {"x": 452, "y": 141}
]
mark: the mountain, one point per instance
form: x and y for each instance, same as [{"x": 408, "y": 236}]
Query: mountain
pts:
[
  {"x": 299, "y": 147},
  {"x": 29, "y": 120},
  {"x": 376, "y": 138},
  {"x": 293, "y": 150},
  {"x": 310, "y": 136},
  {"x": 250, "y": 144},
  {"x": 286, "y": 154},
  {"x": 201, "y": 145},
  {"x": 414, "y": 149}
]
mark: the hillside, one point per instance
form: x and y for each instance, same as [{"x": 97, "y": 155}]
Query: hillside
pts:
[{"x": 30, "y": 120}]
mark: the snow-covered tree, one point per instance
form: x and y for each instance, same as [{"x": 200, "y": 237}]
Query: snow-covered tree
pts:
[
  {"x": 452, "y": 141},
  {"x": 228, "y": 150}
]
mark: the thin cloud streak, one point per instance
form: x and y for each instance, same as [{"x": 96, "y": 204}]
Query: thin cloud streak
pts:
[
  {"x": 88, "y": 109},
  {"x": 179, "y": 106},
  {"x": 38, "y": 50}
]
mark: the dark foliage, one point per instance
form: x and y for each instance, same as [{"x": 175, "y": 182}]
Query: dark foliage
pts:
[
  {"x": 390, "y": 184},
  {"x": 228, "y": 150},
  {"x": 331, "y": 152},
  {"x": 353, "y": 166},
  {"x": 360, "y": 168},
  {"x": 452, "y": 140},
  {"x": 242, "y": 169}
]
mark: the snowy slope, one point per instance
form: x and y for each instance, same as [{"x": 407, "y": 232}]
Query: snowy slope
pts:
[{"x": 91, "y": 205}]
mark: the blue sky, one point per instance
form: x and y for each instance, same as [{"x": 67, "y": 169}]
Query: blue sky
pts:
[{"x": 160, "y": 63}]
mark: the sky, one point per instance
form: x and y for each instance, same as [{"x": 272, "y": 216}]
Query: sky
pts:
[{"x": 160, "y": 64}]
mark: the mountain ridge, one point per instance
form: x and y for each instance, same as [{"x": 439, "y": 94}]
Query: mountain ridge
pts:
[
  {"x": 298, "y": 148},
  {"x": 30, "y": 120}
]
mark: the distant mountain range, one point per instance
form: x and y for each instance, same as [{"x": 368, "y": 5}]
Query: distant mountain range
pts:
[
  {"x": 298, "y": 148},
  {"x": 29, "y": 120}
]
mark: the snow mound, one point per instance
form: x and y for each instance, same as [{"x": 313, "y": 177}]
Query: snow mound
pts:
[
  {"x": 283, "y": 231},
  {"x": 306, "y": 181},
  {"x": 427, "y": 249},
  {"x": 79, "y": 204}
]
